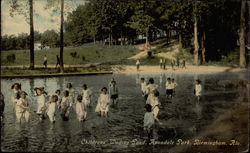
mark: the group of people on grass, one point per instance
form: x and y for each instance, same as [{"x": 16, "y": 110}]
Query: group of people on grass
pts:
[
  {"x": 178, "y": 63},
  {"x": 45, "y": 61}
]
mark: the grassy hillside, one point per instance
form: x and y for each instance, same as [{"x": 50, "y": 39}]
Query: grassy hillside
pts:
[{"x": 85, "y": 54}]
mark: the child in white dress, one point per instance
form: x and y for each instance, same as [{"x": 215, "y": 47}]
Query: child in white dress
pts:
[
  {"x": 58, "y": 94},
  {"x": 51, "y": 108},
  {"x": 150, "y": 90},
  {"x": 86, "y": 96},
  {"x": 22, "y": 108},
  {"x": 41, "y": 108},
  {"x": 71, "y": 93},
  {"x": 143, "y": 87},
  {"x": 169, "y": 88},
  {"x": 148, "y": 122},
  {"x": 103, "y": 103},
  {"x": 198, "y": 89},
  {"x": 80, "y": 109},
  {"x": 174, "y": 85},
  {"x": 65, "y": 106},
  {"x": 155, "y": 106},
  {"x": 16, "y": 88}
]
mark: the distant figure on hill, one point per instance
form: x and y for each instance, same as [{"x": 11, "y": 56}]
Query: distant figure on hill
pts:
[
  {"x": 45, "y": 61},
  {"x": 178, "y": 62},
  {"x": 138, "y": 65},
  {"x": 161, "y": 63},
  {"x": 57, "y": 60},
  {"x": 183, "y": 64},
  {"x": 172, "y": 63},
  {"x": 164, "y": 63}
]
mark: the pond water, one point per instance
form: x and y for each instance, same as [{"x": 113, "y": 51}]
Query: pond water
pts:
[{"x": 125, "y": 122}]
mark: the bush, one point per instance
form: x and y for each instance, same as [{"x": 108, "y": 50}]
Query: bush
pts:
[
  {"x": 83, "y": 58},
  {"x": 11, "y": 58}
]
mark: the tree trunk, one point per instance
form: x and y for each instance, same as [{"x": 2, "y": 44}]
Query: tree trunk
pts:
[
  {"x": 242, "y": 35},
  {"x": 61, "y": 38},
  {"x": 121, "y": 39},
  {"x": 146, "y": 43},
  {"x": 196, "y": 43},
  {"x": 32, "y": 61},
  {"x": 180, "y": 41},
  {"x": 203, "y": 46},
  {"x": 94, "y": 39}
]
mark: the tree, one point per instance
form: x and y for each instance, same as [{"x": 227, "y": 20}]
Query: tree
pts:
[
  {"x": 54, "y": 3},
  {"x": 242, "y": 34},
  {"x": 50, "y": 38},
  {"x": 61, "y": 37},
  {"x": 19, "y": 7},
  {"x": 141, "y": 21},
  {"x": 196, "y": 43}
]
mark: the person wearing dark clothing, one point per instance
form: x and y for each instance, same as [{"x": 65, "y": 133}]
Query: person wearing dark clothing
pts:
[{"x": 57, "y": 60}]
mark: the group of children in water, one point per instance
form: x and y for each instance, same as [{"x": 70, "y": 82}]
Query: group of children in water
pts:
[
  {"x": 62, "y": 103},
  {"x": 151, "y": 94}
]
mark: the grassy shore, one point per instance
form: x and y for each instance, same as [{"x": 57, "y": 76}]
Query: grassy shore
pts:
[
  {"x": 52, "y": 71},
  {"x": 99, "y": 58},
  {"x": 86, "y": 54}
]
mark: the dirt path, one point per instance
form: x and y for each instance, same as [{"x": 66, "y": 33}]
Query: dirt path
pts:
[
  {"x": 171, "y": 54},
  {"x": 190, "y": 69}
]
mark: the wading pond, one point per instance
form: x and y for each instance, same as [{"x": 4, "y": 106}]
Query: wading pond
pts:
[{"x": 182, "y": 117}]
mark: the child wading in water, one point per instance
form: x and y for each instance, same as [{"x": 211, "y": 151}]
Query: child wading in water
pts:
[
  {"x": 143, "y": 88},
  {"x": 71, "y": 91},
  {"x": 41, "y": 102},
  {"x": 149, "y": 122},
  {"x": 198, "y": 89},
  {"x": 22, "y": 107},
  {"x": 80, "y": 109},
  {"x": 58, "y": 94},
  {"x": 155, "y": 106},
  {"x": 113, "y": 92},
  {"x": 16, "y": 88},
  {"x": 103, "y": 103},
  {"x": 169, "y": 89},
  {"x": 65, "y": 106},
  {"x": 174, "y": 85},
  {"x": 150, "y": 91},
  {"x": 86, "y": 94},
  {"x": 51, "y": 108}
]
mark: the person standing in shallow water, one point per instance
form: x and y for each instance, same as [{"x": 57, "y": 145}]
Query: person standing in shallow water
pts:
[
  {"x": 198, "y": 89},
  {"x": 41, "y": 102},
  {"x": 51, "y": 111},
  {"x": 103, "y": 103},
  {"x": 151, "y": 87},
  {"x": 22, "y": 108},
  {"x": 80, "y": 109},
  {"x": 86, "y": 96},
  {"x": 148, "y": 122},
  {"x": 113, "y": 92},
  {"x": 65, "y": 106}
]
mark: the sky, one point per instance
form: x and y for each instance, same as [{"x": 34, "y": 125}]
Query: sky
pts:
[{"x": 43, "y": 19}]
